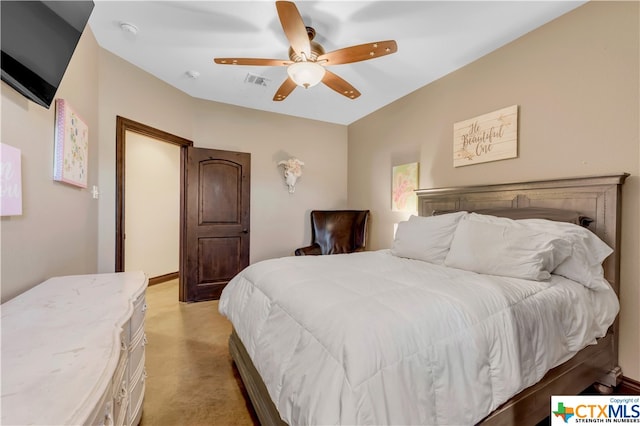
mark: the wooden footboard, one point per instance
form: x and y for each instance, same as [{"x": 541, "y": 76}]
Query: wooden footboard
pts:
[
  {"x": 592, "y": 364},
  {"x": 260, "y": 399}
]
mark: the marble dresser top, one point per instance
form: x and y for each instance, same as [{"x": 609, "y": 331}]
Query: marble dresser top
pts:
[{"x": 61, "y": 344}]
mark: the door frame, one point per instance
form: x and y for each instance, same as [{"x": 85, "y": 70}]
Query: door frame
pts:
[{"x": 122, "y": 126}]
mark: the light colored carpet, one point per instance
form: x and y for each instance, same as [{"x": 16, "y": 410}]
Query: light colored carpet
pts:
[{"x": 191, "y": 379}]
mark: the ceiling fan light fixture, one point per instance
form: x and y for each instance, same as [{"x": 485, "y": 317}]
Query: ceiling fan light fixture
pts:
[
  {"x": 307, "y": 58},
  {"x": 306, "y": 73}
]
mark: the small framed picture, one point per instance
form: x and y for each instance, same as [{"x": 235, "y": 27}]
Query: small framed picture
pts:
[
  {"x": 71, "y": 146},
  {"x": 404, "y": 184},
  {"x": 10, "y": 181}
]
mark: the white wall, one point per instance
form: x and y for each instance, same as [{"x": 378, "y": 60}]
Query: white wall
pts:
[
  {"x": 576, "y": 83},
  {"x": 152, "y": 205}
]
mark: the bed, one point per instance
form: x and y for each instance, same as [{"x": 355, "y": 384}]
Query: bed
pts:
[{"x": 286, "y": 361}]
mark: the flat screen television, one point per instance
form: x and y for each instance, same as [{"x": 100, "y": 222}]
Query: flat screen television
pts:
[{"x": 38, "y": 39}]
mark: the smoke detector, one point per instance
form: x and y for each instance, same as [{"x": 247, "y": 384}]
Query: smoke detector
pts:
[{"x": 129, "y": 28}]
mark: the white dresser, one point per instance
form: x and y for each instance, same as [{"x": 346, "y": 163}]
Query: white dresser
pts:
[{"x": 73, "y": 351}]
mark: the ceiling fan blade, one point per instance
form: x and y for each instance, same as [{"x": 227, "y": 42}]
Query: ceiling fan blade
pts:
[
  {"x": 284, "y": 90},
  {"x": 253, "y": 61},
  {"x": 340, "y": 85},
  {"x": 358, "y": 53},
  {"x": 294, "y": 27}
]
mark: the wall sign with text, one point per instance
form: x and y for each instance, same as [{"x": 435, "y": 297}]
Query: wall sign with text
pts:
[{"x": 488, "y": 137}]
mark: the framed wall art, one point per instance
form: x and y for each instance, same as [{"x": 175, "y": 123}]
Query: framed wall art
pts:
[
  {"x": 71, "y": 146},
  {"x": 10, "y": 181},
  {"x": 488, "y": 137},
  {"x": 404, "y": 184}
]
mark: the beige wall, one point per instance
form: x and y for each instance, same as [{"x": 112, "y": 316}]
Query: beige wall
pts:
[
  {"x": 57, "y": 233},
  {"x": 279, "y": 220},
  {"x": 129, "y": 92},
  {"x": 152, "y": 206},
  {"x": 576, "y": 82},
  {"x": 64, "y": 231}
]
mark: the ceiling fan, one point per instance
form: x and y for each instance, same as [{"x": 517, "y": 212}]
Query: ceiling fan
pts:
[{"x": 307, "y": 58}]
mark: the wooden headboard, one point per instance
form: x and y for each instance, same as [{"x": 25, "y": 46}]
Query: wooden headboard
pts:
[{"x": 597, "y": 197}]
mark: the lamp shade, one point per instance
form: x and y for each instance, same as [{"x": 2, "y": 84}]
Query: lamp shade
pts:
[{"x": 305, "y": 73}]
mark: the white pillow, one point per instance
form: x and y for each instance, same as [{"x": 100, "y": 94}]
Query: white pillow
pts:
[
  {"x": 506, "y": 250},
  {"x": 588, "y": 250},
  {"x": 589, "y": 276},
  {"x": 426, "y": 238}
]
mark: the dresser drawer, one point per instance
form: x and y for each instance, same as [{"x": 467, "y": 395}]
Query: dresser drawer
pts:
[
  {"x": 121, "y": 368},
  {"x": 137, "y": 318},
  {"x": 136, "y": 414},
  {"x": 120, "y": 391},
  {"x": 136, "y": 351},
  {"x": 121, "y": 404},
  {"x": 125, "y": 335},
  {"x": 137, "y": 394},
  {"x": 102, "y": 415}
]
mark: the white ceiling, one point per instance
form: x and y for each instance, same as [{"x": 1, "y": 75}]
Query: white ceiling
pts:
[{"x": 434, "y": 38}]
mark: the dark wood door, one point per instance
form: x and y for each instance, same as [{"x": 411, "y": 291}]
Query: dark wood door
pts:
[{"x": 216, "y": 221}]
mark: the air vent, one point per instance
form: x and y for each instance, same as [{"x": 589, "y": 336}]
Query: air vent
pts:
[{"x": 258, "y": 80}]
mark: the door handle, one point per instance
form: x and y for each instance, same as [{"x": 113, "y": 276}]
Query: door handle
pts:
[{"x": 245, "y": 231}]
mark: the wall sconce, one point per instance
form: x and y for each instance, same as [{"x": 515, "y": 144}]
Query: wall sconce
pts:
[{"x": 292, "y": 171}]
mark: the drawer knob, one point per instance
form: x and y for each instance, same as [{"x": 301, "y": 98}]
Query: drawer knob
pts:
[
  {"x": 108, "y": 420},
  {"x": 122, "y": 395}
]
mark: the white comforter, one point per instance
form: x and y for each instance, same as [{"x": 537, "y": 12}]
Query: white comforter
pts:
[{"x": 370, "y": 338}]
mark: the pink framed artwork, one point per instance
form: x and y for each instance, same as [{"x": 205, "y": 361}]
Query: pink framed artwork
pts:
[
  {"x": 71, "y": 146},
  {"x": 10, "y": 181},
  {"x": 403, "y": 186}
]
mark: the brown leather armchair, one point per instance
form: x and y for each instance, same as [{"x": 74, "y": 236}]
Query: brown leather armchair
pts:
[{"x": 336, "y": 231}]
